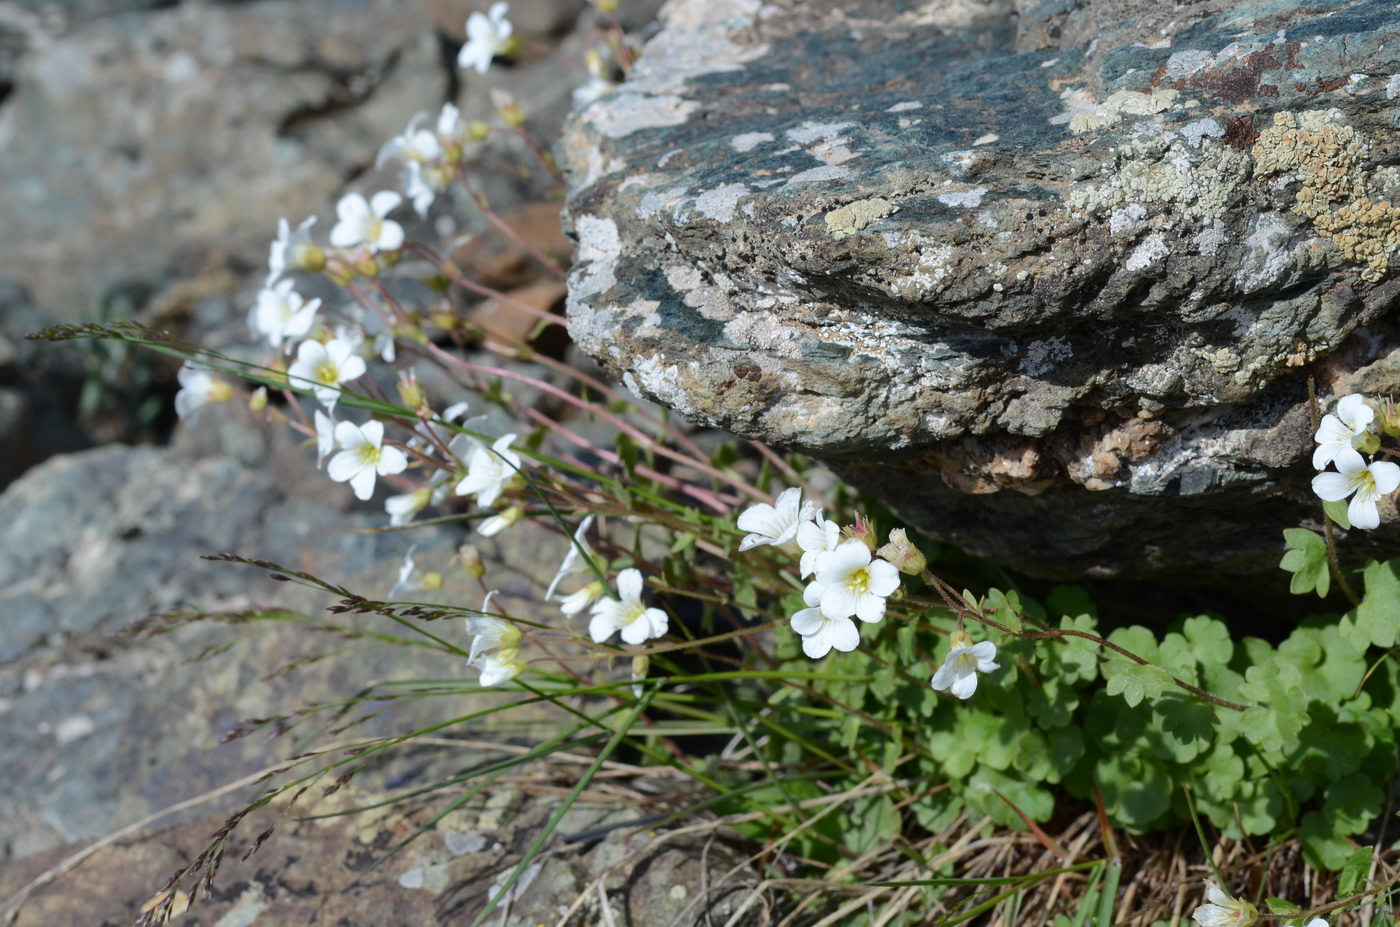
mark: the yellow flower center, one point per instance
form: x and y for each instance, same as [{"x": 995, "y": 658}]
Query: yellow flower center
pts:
[
  {"x": 327, "y": 373},
  {"x": 859, "y": 581},
  {"x": 367, "y": 454}
]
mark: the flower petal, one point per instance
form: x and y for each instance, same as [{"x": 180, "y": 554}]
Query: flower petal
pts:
[
  {"x": 363, "y": 484},
  {"x": 1362, "y": 513},
  {"x": 391, "y": 461},
  {"x": 629, "y": 584},
  {"x": 1387, "y": 476},
  {"x": 1331, "y": 486}
]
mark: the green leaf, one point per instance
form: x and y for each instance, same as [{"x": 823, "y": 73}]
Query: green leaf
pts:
[
  {"x": 1134, "y": 681},
  {"x": 1280, "y": 707},
  {"x": 1337, "y": 511},
  {"x": 1321, "y": 845},
  {"x": 1306, "y": 559},
  {"x": 1353, "y": 877},
  {"x": 871, "y": 822},
  {"x": 1003, "y": 608},
  {"x": 1186, "y": 726},
  {"x": 1280, "y": 906},
  {"x": 1352, "y": 804},
  {"x": 1074, "y": 659},
  {"x": 1378, "y": 615},
  {"x": 982, "y": 788}
]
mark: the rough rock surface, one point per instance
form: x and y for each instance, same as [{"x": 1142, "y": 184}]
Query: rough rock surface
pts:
[{"x": 1049, "y": 278}]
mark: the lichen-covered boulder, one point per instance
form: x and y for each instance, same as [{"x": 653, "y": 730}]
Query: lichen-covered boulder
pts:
[{"x": 1051, "y": 279}]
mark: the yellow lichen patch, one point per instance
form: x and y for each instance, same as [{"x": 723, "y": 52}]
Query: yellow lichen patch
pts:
[
  {"x": 1328, "y": 159},
  {"x": 855, "y": 216}
]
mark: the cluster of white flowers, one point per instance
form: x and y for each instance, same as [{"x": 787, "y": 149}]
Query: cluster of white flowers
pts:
[
  {"x": 431, "y": 157},
  {"x": 851, "y": 579},
  {"x": 1342, "y": 438},
  {"x": 495, "y": 647}
]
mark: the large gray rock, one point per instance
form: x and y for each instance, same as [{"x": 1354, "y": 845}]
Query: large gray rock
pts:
[{"x": 1049, "y": 278}]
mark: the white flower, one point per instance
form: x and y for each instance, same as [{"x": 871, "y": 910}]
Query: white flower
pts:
[
  {"x": 1224, "y": 911},
  {"x": 423, "y": 182},
  {"x": 415, "y": 144},
  {"x": 198, "y": 387},
  {"x": 853, "y": 584},
  {"x": 293, "y": 250},
  {"x": 571, "y": 605},
  {"x": 499, "y": 667},
  {"x": 487, "y": 36},
  {"x": 491, "y": 634},
  {"x": 324, "y": 367},
  {"x": 1348, "y": 429},
  {"x": 964, "y": 661},
  {"x": 573, "y": 560},
  {"x": 815, "y": 537},
  {"x": 637, "y": 622},
  {"x": 281, "y": 314},
  {"x": 1368, "y": 482},
  {"x": 490, "y": 472},
  {"x": 776, "y": 525},
  {"x": 594, "y": 89},
  {"x": 497, "y": 523},
  {"x": 363, "y": 457},
  {"x": 363, "y": 222},
  {"x": 1317, "y": 922},
  {"x": 405, "y": 573},
  {"x": 402, "y": 508},
  {"x": 325, "y": 436},
  {"x": 820, "y": 633}
]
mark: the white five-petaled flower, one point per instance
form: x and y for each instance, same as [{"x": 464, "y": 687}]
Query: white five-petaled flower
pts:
[
  {"x": 490, "y": 634},
  {"x": 281, "y": 314},
  {"x": 775, "y": 524},
  {"x": 627, "y": 613},
  {"x": 490, "y": 472},
  {"x": 415, "y": 144},
  {"x": 852, "y": 583},
  {"x": 363, "y": 456},
  {"x": 423, "y": 181},
  {"x": 815, "y": 537},
  {"x": 1348, "y": 428},
  {"x": 501, "y": 666},
  {"x": 964, "y": 661},
  {"x": 571, "y": 605},
  {"x": 820, "y": 633},
  {"x": 325, "y": 436},
  {"x": 487, "y": 36},
  {"x": 293, "y": 250},
  {"x": 1223, "y": 910},
  {"x": 198, "y": 387},
  {"x": 1367, "y": 481},
  {"x": 323, "y": 367},
  {"x": 574, "y": 561},
  {"x": 402, "y": 508},
  {"x": 362, "y": 222}
]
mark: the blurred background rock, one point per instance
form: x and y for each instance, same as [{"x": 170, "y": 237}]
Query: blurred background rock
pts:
[{"x": 147, "y": 150}]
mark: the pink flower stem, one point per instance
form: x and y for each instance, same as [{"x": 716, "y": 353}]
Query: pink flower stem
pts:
[
  {"x": 594, "y": 409},
  {"x": 504, "y": 227},
  {"x": 453, "y": 273}
]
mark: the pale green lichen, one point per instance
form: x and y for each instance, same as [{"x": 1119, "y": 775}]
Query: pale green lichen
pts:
[
  {"x": 1196, "y": 184},
  {"x": 853, "y": 217},
  {"x": 1120, "y": 104},
  {"x": 1328, "y": 159}
]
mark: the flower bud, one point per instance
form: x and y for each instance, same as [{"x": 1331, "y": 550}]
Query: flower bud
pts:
[
  {"x": 1367, "y": 443},
  {"x": 606, "y": 6},
  {"x": 258, "y": 401},
  {"x": 431, "y": 581},
  {"x": 446, "y": 321},
  {"x": 507, "y": 108},
  {"x": 571, "y": 605},
  {"x": 498, "y": 523},
  {"x": 470, "y": 558},
  {"x": 511, "y": 46},
  {"x": 477, "y": 131},
  {"x": 367, "y": 266},
  {"x": 861, "y": 531},
  {"x": 219, "y": 391},
  {"x": 640, "y": 664},
  {"x": 594, "y": 63},
  {"x": 1389, "y": 419},
  {"x": 411, "y": 391},
  {"x": 307, "y": 256},
  {"x": 903, "y": 554}
]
